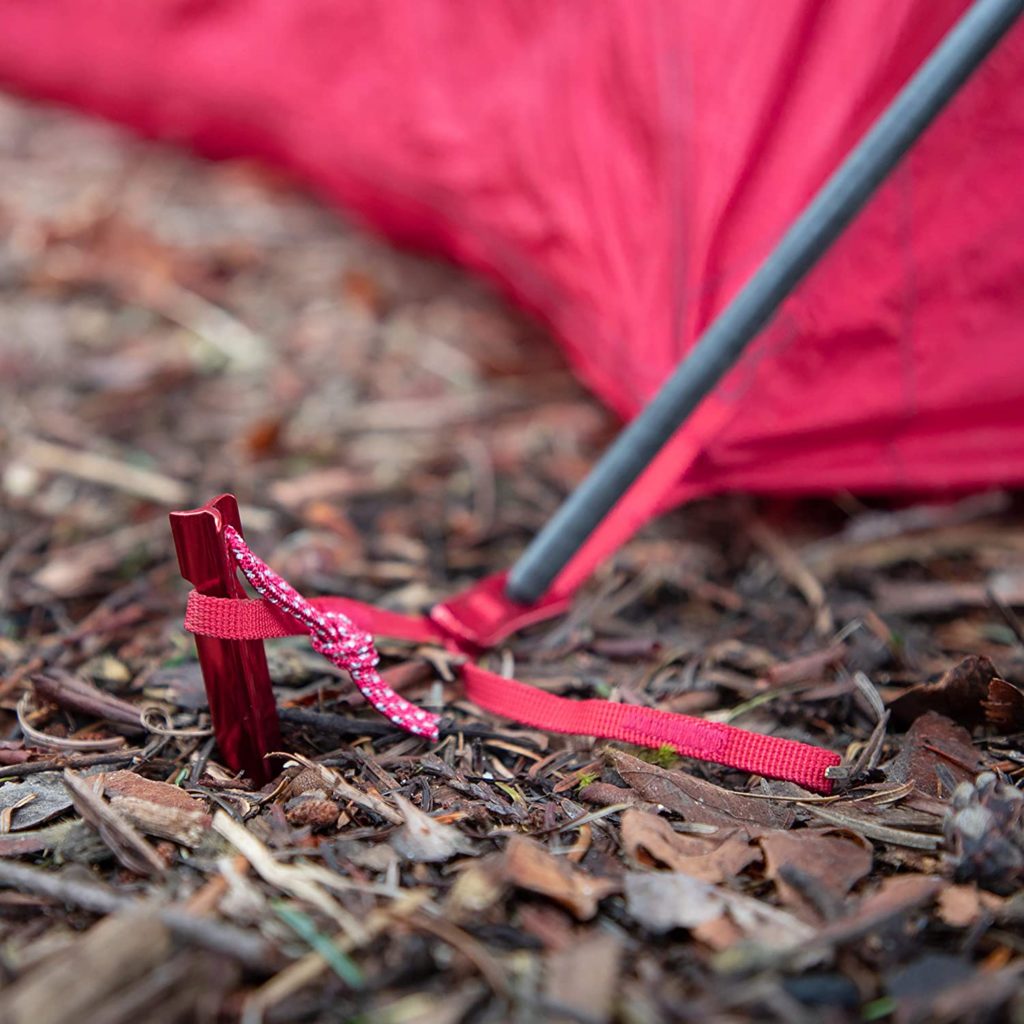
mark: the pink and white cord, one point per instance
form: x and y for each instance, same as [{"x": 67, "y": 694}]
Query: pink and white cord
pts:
[{"x": 334, "y": 636}]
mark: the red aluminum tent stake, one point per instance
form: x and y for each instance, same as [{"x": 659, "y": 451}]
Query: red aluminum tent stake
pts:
[{"x": 234, "y": 671}]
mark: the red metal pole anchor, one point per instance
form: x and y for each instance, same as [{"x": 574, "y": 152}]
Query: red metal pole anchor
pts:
[{"x": 234, "y": 671}]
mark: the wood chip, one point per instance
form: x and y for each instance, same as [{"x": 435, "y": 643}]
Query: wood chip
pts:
[
  {"x": 584, "y": 977},
  {"x": 128, "y": 784},
  {"x": 68, "y": 987},
  {"x": 104, "y": 470},
  {"x": 125, "y": 842},
  {"x": 528, "y": 865}
]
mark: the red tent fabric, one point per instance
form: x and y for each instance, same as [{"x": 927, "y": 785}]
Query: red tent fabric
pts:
[{"x": 621, "y": 168}]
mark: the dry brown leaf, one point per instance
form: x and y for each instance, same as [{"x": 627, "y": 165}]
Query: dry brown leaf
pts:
[
  {"x": 552, "y": 926},
  {"x": 639, "y": 824},
  {"x": 661, "y": 901},
  {"x": 894, "y": 897},
  {"x": 719, "y": 934},
  {"x": 931, "y": 741},
  {"x": 698, "y": 856},
  {"x": 830, "y": 864},
  {"x": 606, "y": 794},
  {"x": 1004, "y": 706},
  {"x": 765, "y": 924},
  {"x": 528, "y": 865},
  {"x": 960, "y": 694},
  {"x": 34, "y": 801},
  {"x": 478, "y": 887},
  {"x": 694, "y": 799}
]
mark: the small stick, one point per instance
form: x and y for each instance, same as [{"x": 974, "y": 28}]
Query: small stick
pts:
[
  {"x": 70, "y": 691},
  {"x": 249, "y": 949},
  {"x": 22, "y": 771},
  {"x": 104, "y": 470}
]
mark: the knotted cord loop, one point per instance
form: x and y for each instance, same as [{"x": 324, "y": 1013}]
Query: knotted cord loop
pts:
[{"x": 336, "y": 637}]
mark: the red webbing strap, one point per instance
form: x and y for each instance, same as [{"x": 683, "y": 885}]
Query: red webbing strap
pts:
[
  {"x": 647, "y": 727},
  {"x": 255, "y": 619},
  {"x": 769, "y": 756}
]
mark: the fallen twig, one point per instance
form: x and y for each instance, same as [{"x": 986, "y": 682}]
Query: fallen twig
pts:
[
  {"x": 70, "y": 691},
  {"x": 104, "y": 470},
  {"x": 249, "y": 949},
  {"x": 116, "y": 757}
]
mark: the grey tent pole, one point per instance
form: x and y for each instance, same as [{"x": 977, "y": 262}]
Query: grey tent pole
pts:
[{"x": 963, "y": 48}]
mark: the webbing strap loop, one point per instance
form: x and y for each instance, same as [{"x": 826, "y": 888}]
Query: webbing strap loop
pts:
[{"x": 770, "y": 756}]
